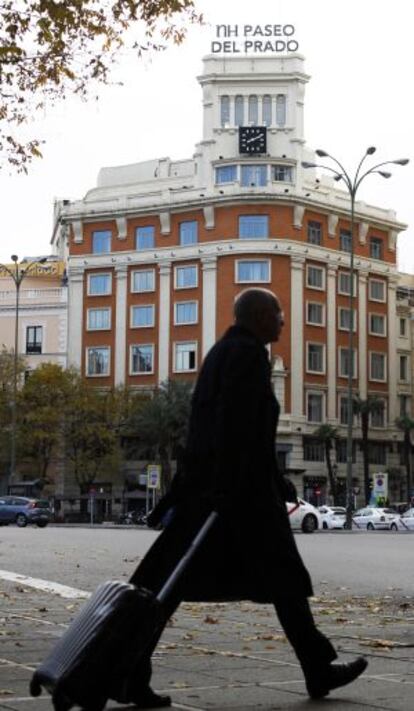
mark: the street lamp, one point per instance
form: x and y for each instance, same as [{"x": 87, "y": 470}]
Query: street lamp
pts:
[
  {"x": 352, "y": 184},
  {"x": 17, "y": 274}
]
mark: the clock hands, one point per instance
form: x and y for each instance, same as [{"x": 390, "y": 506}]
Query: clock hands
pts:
[{"x": 254, "y": 138}]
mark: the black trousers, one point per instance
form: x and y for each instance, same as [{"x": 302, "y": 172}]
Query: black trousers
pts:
[{"x": 313, "y": 650}]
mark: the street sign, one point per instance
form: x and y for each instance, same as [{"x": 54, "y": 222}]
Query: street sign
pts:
[
  {"x": 154, "y": 476},
  {"x": 380, "y": 486}
]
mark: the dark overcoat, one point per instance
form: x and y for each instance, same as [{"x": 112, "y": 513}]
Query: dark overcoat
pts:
[{"x": 230, "y": 464}]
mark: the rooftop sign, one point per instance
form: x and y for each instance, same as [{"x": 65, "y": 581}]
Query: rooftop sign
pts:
[{"x": 254, "y": 39}]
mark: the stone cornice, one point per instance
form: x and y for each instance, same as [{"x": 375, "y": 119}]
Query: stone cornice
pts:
[
  {"x": 236, "y": 247},
  {"x": 221, "y": 196}
]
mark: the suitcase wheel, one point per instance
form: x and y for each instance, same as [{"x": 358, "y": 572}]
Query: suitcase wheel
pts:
[
  {"x": 61, "y": 702},
  {"x": 35, "y": 687}
]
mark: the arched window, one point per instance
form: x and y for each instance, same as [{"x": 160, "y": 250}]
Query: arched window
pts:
[
  {"x": 239, "y": 110},
  {"x": 253, "y": 110},
  {"x": 281, "y": 109},
  {"x": 267, "y": 110},
  {"x": 225, "y": 110}
]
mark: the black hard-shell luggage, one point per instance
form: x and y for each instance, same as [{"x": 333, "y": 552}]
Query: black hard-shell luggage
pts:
[{"x": 98, "y": 657}]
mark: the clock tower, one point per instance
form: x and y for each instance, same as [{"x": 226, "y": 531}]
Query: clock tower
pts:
[{"x": 252, "y": 108}]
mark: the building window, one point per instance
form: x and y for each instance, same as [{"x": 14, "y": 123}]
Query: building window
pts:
[
  {"x": 403, "y": 327},
  {"x": 345, "y": 241},
  {"x": 377, "y": 452},
  {"x": 267, "y": 110},
  {"x": 253, "y": 110},
  {"x": 225, "y": 111},
  {"x": 253, "y": 226},
  {"x": 226, "y": 174},
  {"x": 185, "y": 356},
  {"x": 101, "y": 241},
  {"x": 99, "y": 319},
  {"x": 343, "y": 410},
  {"x": 377, "y": 366},
  {"x": 375, "y": 248},
  {"x": 405, "y": 406},
  {"x": 315, "y": 358},
  {"x": 239, "y": 110},
  {"x": 188, "y": 233},
  {"x": 315, "y": 277},
  {"x": 99, "y": 284},
  {"x": 142, "y": 359},
  {"x": 403, "y": 368},
  {"x": 313, "y": 450},
  {"x": 377, "y": 290},
  {"x": 185, "y": 312},
  {"x": 314, "y": 407},
  {"x": 186, "y": 277},
  {"x": 341, "y": 451},
  {"x": 344, "y": 319},
  {"x": 280, "y": 109},
  {"x": 254, "y": 271},
  {"x": 344, "y": 362},
  {"x": 315, "y": 313},
  {"x": 143, "y": 280},
  {"x": 378, "y": 415},
  {"x": 253, "y": 175},
  {"x": 145, "y": 237},
  {"x": 97, "y": 361},
  {"x": 314, "y": 232},
  {"x": 282, "y": 173},
  {"x": 344, "y": 284},
  {"x": 143, "y": 316},
  {"x": 377, "y": 325},
  {"x": 34, "y": 339}
]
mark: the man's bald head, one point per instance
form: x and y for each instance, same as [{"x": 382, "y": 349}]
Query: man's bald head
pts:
[{"x": 259, "y": 311}]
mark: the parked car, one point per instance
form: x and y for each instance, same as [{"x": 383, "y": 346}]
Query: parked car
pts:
[
  {"x": 407, "y": 520},
  {"x": 130, "y": 518},
  {"x": 372, "y": 518},
  {"x": 304, "y": 516},
  {"x": 333, "y": 516},
  {"x": 22, "y": 510}
]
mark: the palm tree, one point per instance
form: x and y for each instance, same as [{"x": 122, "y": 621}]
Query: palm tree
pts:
[
  {"x": 159, "y": 426},
  {"x": 364, "y": 409},
  {"x": 328, "y": 434},
  {"x": 406, "y": 425}
]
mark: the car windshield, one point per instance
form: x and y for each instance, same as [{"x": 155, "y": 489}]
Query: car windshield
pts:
[
  {"x": 389, "y": 511},
  {"x": 339, "y": 511}
]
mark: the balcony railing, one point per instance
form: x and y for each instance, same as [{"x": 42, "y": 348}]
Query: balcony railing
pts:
[{"x": 50, "y": 295}]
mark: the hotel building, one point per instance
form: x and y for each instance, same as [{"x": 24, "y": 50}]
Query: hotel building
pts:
[{"x": 158, "y": 251}]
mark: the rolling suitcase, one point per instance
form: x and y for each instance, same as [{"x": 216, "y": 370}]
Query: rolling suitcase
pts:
[{"x": 98, "y": 657}]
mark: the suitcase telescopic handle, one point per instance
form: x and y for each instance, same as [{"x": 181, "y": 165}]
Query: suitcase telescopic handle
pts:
[{"x": 185, "y": 560}]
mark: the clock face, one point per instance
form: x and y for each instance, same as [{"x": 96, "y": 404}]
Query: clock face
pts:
[{"x": 252, "y": 139}]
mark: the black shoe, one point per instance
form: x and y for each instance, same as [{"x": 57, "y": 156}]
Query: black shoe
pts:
[
  {"x": 148, "y": 699},
  {"x": 335, "y": 675}
]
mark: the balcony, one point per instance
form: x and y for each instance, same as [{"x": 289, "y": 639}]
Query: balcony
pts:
[{"x": 48, "y": 296}]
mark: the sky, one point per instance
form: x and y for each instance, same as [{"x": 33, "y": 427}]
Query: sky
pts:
[{"x": 360, "y": 94}]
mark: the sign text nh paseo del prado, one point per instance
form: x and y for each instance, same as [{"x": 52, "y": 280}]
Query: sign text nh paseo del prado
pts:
[{"x": 254, "y": 39}]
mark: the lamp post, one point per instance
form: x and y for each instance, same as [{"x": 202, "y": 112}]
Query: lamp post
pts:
[
  {"x": 352, "y": 184},
  {"x": 17, "y": 274}
]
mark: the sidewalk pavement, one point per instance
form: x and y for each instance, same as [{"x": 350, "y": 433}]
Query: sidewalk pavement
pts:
[{"x": 229, "y": 657}]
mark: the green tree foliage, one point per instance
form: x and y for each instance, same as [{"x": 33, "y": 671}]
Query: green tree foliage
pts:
[
  {"x": 364, "y": 409},
  {"x": 157, "y": 426},
  {"x": 50, "y": 49},
  {"x": 6, "y": 399},
  {"x": 406, "y": 425},
  {"x": 328, "y": 434},
  {"x": 91, "y": 433},
  {"x": 43, "y": 401}
]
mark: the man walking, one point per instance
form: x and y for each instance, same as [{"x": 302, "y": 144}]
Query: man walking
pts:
[{"x": 230, "y": 466}]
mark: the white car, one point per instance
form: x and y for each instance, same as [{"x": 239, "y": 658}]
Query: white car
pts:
[
  {"x": 372, "y": 518},
  {"x": 304, "y": 516},
  {"x": 333, "y": 516},
  {"x": 407, "y": 520}
]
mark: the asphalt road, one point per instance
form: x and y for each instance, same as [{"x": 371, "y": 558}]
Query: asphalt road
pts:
[{"x": 377, "y": 563}]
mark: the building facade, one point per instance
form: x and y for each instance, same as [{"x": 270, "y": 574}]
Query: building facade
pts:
[{"x": 158, "y": 251}]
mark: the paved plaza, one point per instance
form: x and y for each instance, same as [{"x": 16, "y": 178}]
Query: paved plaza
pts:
[{"x": 230, "y": 656}]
